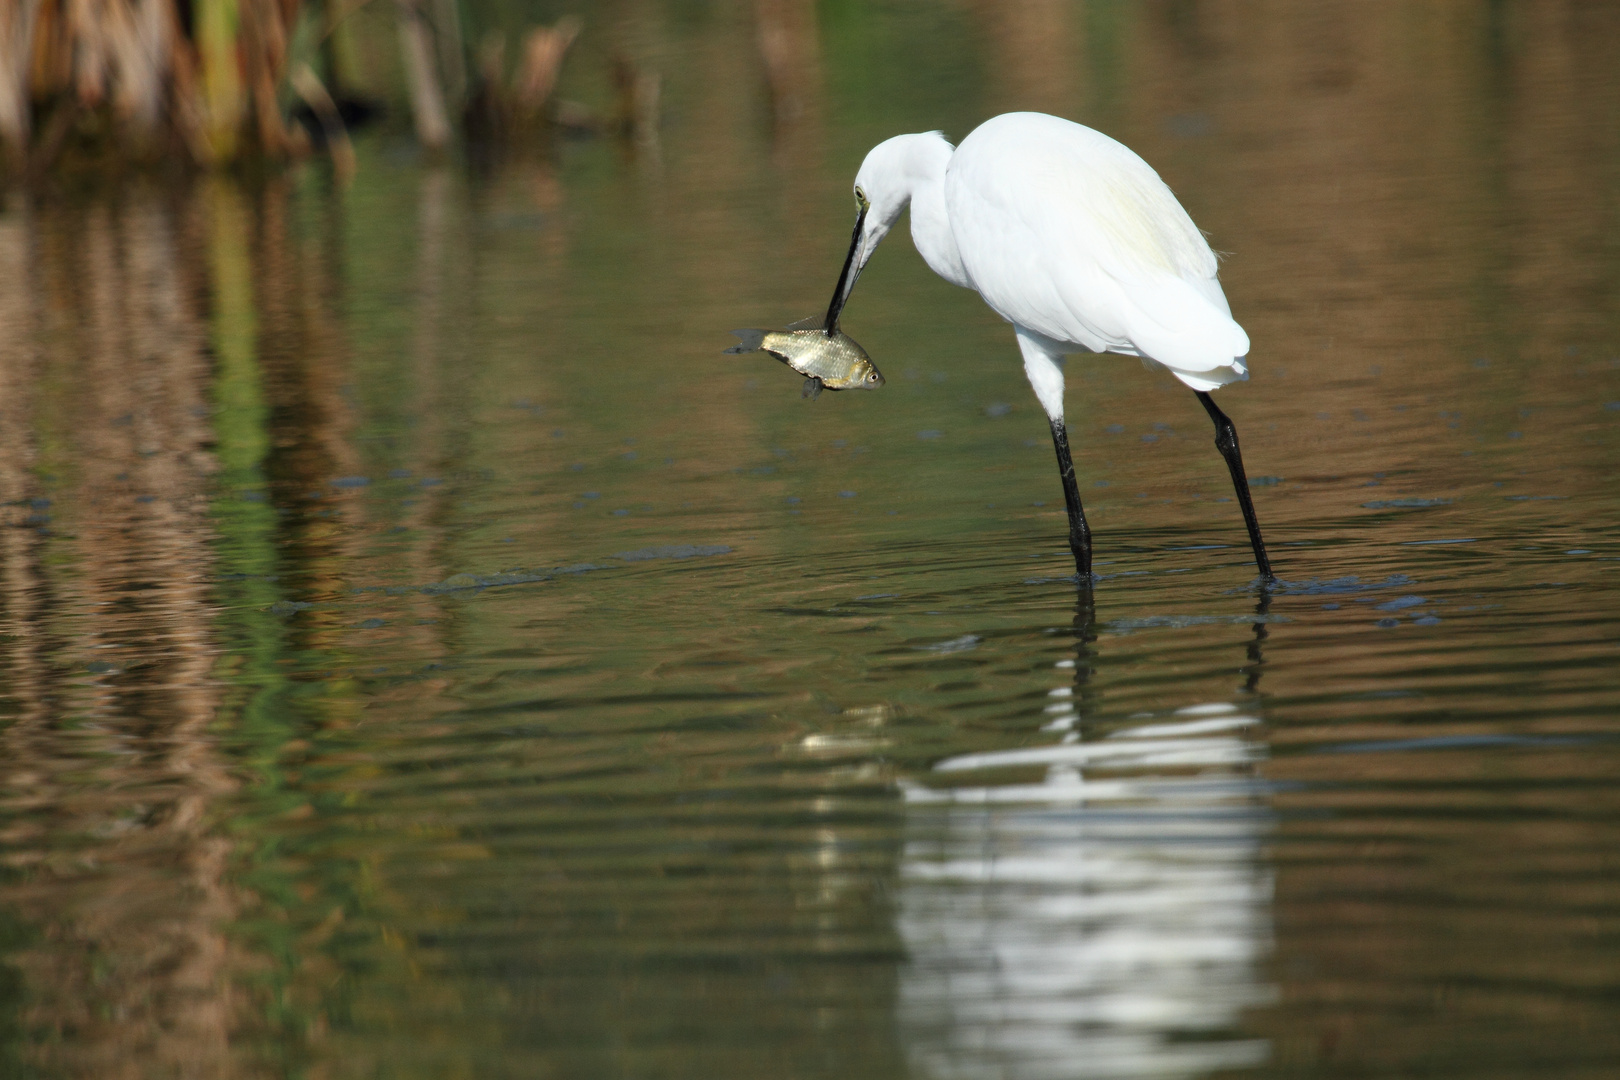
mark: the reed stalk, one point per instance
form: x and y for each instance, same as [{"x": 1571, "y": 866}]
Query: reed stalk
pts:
[
  {"x": 89, "y": 84},
  {"x": 218, "y": 24},
  {"x": 428, "y": 107},
  {"x": 17, "y": 20}
]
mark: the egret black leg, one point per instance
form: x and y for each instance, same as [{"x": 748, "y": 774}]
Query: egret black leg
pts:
[
  {"x": 1226, "y": 440},
  {"x": 1079, "y": 531}
]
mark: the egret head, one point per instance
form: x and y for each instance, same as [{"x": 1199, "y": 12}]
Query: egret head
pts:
[{"x": 883, "y": 187}]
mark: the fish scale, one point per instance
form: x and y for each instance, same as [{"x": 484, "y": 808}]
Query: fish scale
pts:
[{"x": 832, "y": 361}]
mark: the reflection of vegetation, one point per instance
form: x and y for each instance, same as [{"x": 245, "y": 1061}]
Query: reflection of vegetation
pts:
[
  {"x": 244, "y": 518},
  {"x": 14, "y": 936},
  {"x": 312, "y": 920},
  {"x": 256, "y": 710},
  {"x": 109, "y": 853}
]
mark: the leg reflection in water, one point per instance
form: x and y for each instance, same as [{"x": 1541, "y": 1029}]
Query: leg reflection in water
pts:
[
  {"x": 1109, "y": 919},
  {"x": 1257, "y": 660}
]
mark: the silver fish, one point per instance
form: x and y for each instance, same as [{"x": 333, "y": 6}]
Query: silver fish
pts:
[{"x": 827, "y": 361}]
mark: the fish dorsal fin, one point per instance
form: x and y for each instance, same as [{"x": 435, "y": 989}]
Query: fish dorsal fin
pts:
[{"x": 814, "y": 322}]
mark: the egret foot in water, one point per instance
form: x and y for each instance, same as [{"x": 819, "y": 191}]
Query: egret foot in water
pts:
[{"x": 1226, "y": 441}]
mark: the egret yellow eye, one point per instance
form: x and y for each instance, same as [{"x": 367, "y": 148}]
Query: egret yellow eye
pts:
[{"x": 860, "y": 199}]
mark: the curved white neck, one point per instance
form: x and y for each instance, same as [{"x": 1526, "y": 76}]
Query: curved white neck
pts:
[
  {"x": 910, "y": 169},
  {"x": 931, "y": 230}
]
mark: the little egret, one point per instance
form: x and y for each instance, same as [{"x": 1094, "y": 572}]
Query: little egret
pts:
[{"x": 1074, "y": 239}]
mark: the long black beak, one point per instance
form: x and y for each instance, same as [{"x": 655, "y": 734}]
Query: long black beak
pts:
[{"x": 846, "y": 278}]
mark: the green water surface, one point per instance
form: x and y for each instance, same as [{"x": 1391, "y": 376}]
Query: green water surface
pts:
[{"x": 424, "y": 654}]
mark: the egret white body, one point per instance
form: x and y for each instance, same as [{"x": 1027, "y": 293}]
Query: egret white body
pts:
[{"x": 1074, "y": 239}]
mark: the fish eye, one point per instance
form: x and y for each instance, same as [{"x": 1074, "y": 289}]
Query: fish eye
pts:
[{"x": 871, "y": 376}]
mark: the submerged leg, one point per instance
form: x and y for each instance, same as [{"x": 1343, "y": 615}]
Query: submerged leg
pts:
[
  {"x": 1043, "y": 365},
  {"x": 1079, "y": 531},
  {"x": 1226, "y": 440}
]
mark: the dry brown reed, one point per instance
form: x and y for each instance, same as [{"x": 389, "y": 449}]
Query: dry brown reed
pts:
[
  {"x": 100, "y": 82},
  {"x": 130, "y": 78},
  {"x": 505, "y": 114},
  {"x": 427, "y": 92}
]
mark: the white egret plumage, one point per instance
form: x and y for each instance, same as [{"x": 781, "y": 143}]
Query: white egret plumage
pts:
[{"x": 1074, "y": 239}]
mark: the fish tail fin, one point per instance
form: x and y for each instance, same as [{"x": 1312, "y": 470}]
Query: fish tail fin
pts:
[{"x": 752, "y": 341}]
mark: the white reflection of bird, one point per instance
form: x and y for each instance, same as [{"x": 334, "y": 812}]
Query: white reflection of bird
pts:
[
  {"x": 1074, "y": 239},
  {"x": 1089, "y": 926}
]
